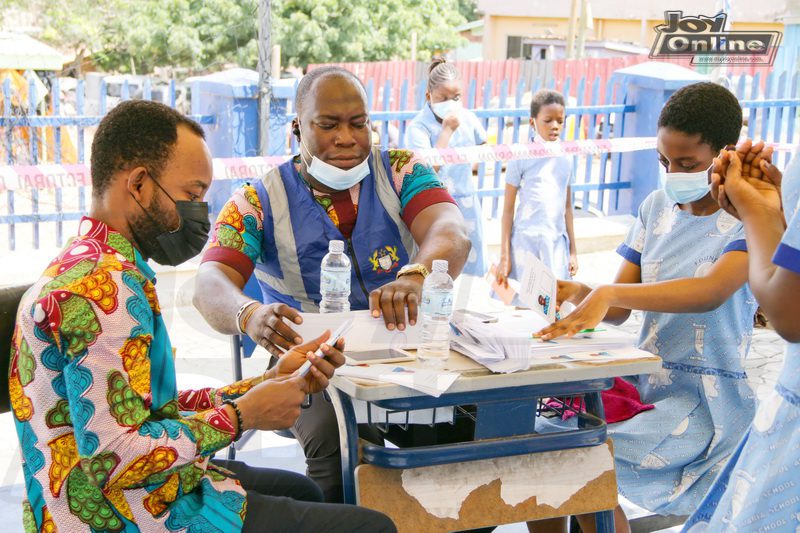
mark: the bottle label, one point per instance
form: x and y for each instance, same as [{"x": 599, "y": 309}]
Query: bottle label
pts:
[
  {"x": 438, "y": 304},
  {"x": 334, "y": 281}
]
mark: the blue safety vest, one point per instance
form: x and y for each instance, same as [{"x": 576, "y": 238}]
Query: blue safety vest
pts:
[{"x": 297, "y": 231}]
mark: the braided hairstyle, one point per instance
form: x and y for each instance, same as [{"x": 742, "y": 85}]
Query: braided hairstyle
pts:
[{"x": 439, "y": 72}]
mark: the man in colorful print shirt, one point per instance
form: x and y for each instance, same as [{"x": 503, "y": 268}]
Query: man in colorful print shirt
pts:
[{"x": 108, "y": 442}]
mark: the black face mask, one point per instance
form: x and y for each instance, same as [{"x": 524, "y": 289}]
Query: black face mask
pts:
[{"x": 172, "y": 247}]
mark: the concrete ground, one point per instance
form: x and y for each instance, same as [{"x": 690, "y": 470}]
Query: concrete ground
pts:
[{"x": 203, "y": 356}]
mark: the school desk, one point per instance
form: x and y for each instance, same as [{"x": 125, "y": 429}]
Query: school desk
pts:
[{"x": 509, "y": 473}]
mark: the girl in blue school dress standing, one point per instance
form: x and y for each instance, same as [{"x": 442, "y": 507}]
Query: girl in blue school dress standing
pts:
[
  {"x": 542, "y": 225},
  {"x": 685, "y": 265},
  {"x": 758, "y": 490},
  {"x": 443, "y": 122}
]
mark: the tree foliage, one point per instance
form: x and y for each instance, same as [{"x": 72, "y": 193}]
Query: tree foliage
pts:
[{"x": 125, "y": 35}]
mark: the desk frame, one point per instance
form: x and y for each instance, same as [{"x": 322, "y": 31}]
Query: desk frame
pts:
[{"x": 504, "y": 427}]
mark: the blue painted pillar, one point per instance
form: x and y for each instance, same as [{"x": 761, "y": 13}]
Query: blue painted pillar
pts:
[
  {"x": 788, "y": 58},
  {"x": 649, "y": 86},
  {"x": 231, "y": 96}
]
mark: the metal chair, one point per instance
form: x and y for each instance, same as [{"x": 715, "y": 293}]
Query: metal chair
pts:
[{"x": 9, "y": 302}]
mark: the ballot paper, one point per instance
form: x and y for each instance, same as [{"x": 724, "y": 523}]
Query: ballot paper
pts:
[
  {"x": 508, "y": 345},
  {"x": 367, "y": 333},
  {"x": 429, "y": 381},
  {"x": 538, "y": 288},
  {"x": 502, "y": 346},
  {"x": 505, "y": 293},
  {"x": 593, "y": 356}
]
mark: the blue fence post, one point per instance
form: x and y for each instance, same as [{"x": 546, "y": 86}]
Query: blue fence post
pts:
[
  {"x": 56, "y": 95},
  {"x": 34, "y": 147},
  {"x": 649, "y": 85},
  {"x": 12, "y": 233},
  {"x": 80, "y": 91}
]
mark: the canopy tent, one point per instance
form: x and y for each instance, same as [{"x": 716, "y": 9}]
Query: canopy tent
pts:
[{"x": 23, "y": 52}]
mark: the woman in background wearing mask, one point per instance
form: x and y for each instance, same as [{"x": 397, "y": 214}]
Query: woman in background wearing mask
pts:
[
  {"x": 444, "y": 123},
  {"x": 685, "y": 266},
  {"x": 543, "y": 222}
]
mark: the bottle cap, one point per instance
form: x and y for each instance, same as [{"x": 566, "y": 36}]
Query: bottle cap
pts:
[
  {"x": 439, "y": 265},
  {"x": 336, "y": 247}
]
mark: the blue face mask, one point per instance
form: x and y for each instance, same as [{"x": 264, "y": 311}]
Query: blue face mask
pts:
[{"x": 685, "y": 187}]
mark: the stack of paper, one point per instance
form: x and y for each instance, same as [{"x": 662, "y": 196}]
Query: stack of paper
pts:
[
  {"x": 430, "y": 381},
  {"x": 503, "y": 346},
  {"x": 508, "y": 345}
]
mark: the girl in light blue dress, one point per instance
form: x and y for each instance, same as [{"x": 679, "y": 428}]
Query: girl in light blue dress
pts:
[
  {"x": 443, "y": 123},
  {"x": 759, "y": 489},
  {"x": 685, "y": 266},
  {"x": 542, "y": 225}
]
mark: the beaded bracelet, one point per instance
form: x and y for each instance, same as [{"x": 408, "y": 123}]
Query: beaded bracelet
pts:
[{"x": 236, "y": 410}]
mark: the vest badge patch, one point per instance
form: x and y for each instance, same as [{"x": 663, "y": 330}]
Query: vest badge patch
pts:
[{"x": 384, "y": 259}]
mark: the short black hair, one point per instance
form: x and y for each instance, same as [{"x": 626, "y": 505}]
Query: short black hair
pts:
[
  {"x": 135, "y": 133},
  {"x": 545, "y": 97},
  {"x": 707, "y": 109},
  {"x": 307, "y": 82}
]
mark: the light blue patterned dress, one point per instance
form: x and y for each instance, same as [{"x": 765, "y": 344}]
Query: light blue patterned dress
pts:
[
  {"x": 539, "y": 227},
  {"x": 667, "y": 458},
  {"x": 422, "y": 133},
  {"x": 759, "y": 489}
]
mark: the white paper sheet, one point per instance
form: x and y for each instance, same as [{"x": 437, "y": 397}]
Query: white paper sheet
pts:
[
  {"x": 367, "y": 333},
  {"x": 429, "y": 381},
  {"x": 538, "y": 288}
]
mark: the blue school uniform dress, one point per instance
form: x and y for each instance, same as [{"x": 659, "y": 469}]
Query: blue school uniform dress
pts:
[
  {"x": 759, "y": 489},
  {"x": 667, "y": 458},
  {"x": 539, "y": 227},
  {"x": 422, "y": 133}
]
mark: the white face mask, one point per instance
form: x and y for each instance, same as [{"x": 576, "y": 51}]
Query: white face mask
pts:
[
  {"x": 446, "y": 108},
  {"x": 685, "y": 187},
  {"x": 334, "y": 177},
  {"x": 538, "y": 137}
]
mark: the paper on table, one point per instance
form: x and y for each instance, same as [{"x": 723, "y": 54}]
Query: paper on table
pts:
[
  {"x": 538, "y": 288},
  {"x": 367, "y": 333},
  {"x": 429, "y": 381},
  {"x": 502, "y": 346},
  {"x": 593, "y": 357}
]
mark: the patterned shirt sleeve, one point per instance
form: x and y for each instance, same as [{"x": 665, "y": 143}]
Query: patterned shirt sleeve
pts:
[
  {"x": 102, "y": 339},
  {"x": 236, "y": 241},
  {"x": 416, "y": 184},
  {"x": 631, "y": 249}
]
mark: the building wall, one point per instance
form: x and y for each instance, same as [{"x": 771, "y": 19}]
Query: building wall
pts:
[{"x": 497, "y": 29}]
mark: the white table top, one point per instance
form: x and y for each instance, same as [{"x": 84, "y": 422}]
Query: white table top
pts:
[{"x": 477, "y": 377}]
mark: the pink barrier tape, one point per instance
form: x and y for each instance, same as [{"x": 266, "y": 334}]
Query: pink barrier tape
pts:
[{"x": 28, "y": 177}]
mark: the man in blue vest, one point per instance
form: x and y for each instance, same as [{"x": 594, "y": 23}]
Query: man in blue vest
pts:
[{"x": 339, "y": 187}]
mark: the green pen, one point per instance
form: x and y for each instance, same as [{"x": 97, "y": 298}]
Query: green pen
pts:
[{"x": 593, "y": 330}]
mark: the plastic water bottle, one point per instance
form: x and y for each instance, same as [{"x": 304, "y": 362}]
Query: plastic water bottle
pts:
[
  {"x": 334, "y": 283},
  {"x": 437, "y": 306}
]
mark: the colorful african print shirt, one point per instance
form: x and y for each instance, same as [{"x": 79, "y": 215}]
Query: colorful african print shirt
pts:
[
  {"x": 237, "y": 238},
  {"x": 107, "y": 443}
]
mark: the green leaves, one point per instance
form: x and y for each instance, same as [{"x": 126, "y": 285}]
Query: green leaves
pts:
[{"x": 120, "y": 35}]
